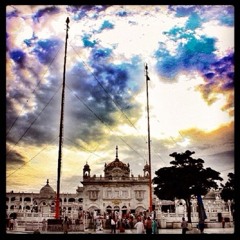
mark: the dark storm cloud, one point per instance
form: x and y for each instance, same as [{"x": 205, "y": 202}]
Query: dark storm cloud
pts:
[
  {"x": 30, "y": 42},
  {"x": 223, "y": 14},
  {"x": 45, "y": 11},
  {"x": 18, "y": 56},
  {"x": 99, "y": 54},
  {"x": 88, "y": 107},
  {"x": 36, "y": 125},
  {"x": 14, "y": 157},
  {"x": 81, "y": 11},
  {"x": 222, "y": 72},
  {"x": 222, "y": 162},
  {"x": 93, "y": 97},
  {"x": 182, "y": 11},
  {"x": 13, "y": 13},
  {"x": 45, "y": 49},
  {"x": 90, "y": 100},
  {"x": 195, "y": 54},
  {"x": 106, "y": 25},
  {"x": 122, "y": 13},
  {"x": 226, "y": 17},
  {"x": 87, "y": 42},
  {"x": 227, "y": 155}
]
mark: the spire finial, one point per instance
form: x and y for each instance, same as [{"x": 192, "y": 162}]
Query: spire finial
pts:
[
  {"x": 116, "y": 152},
  {"x": 47, "y": 181}
]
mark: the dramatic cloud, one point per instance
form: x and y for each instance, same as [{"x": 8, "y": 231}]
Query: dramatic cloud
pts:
[{"x": 189, "y": 51}]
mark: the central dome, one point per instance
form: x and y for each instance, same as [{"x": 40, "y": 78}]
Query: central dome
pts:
[{"x": 117, "y": 168}]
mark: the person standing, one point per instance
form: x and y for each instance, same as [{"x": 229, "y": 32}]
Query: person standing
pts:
[
  {"x": 184, "y": 226},
  {"x": 11, "y": 223},
  {"x": 148, "y": 225},
  {"x": 154, "y": 226},
  {"x": 44, "y": 225},
  {"x": 15, "y": 224},
  {"x": 113, "y": 225},
  {"x": 77, "y": 222},
  {"x": 65, "y": 225},
  {"x": 201, "y": 225},
  {"x": 139, "y": 226},
  {"x": 223, "y": 223}
]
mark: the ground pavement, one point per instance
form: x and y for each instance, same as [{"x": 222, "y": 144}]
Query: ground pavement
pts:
[{"x": 132, "y": 231}]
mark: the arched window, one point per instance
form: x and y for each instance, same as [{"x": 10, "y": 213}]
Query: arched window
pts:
[
  {"x": 71, "y": 200},
  {"x": 27, "y": 199}
]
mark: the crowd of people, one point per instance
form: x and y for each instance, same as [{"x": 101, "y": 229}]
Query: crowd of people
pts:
[{"x": 143, "y": 223}]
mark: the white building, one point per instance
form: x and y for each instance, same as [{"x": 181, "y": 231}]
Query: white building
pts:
[{"x": 116, "y": 190}]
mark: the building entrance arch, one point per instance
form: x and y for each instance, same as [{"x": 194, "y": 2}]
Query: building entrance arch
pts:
[
  {"x": 116, "y": 208},
  {"x": 124, "y": 210},
  {"x": 140, "y": 209},
  {"x": 108, "y": 209}
]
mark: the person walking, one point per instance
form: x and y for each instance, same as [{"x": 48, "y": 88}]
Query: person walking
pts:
[
  {"x": 139, "y": 226},
  {"x": 184, "y": 226}
]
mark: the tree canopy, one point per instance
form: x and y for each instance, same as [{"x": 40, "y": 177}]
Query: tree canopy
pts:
[
  {"x": 185, "y": 178},
  {"x": 228, "y": 191}
]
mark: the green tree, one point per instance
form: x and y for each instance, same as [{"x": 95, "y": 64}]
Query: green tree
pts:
[{"x": 185, "y": 178}]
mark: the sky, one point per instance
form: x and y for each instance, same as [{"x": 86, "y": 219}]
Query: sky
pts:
[{"x": 189, "y": 51}]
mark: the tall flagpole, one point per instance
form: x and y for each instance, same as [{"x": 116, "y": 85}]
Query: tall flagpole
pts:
[
  {"x": 57, "y": 210},
  {"x": 149, "y": 142}
]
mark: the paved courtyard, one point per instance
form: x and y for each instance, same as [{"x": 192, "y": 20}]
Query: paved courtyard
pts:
[{"x": 133, "y": 231}]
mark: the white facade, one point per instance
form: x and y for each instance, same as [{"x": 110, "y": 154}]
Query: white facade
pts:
[{"x": 116, "y": 190}]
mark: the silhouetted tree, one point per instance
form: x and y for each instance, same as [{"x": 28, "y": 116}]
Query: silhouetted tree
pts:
[
  {"x": 228, "y": 191},
  {"x": 185, "y": 178}
]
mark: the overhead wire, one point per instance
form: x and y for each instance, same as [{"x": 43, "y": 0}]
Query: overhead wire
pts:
[
  {"x": 31, "y": 124},
  {"x": 34, "y": 90},
  {"x": 30, "y": 159},
  {"x": 101, "y": 120}
]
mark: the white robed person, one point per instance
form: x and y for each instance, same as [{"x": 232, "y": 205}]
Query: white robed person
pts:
[{"x": 140, "y": 227}]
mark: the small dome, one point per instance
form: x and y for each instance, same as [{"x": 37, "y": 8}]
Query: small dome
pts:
[
  {"x": 86, "y": 166},
  {"x": 47, "y": 189},
  {"x": 146, "y": 166}
]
